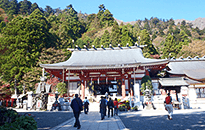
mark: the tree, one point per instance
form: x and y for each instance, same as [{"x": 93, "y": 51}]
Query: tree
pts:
[
  {"x": 105, "y": 40},
  {"x": 126, "y": 36},
  {"x": 170, "y": 49},
  {"x": 61, "y": 88},
  {"x": 24, "y": 7},
  {"x": 13, "y": 7},
  {"x": 70, "y": 28},
  {"x": 22, "y": 41},
  {"x": 145, "y": 39},
  {"x": 104, "y": 17},
  {"x": 96, "y": 42},
  {"x": 48, "y": 11},
  {"x": 34, "y": 6},
  {"x": 115, "y": 37},
  {"x": 146, "y": 83}
]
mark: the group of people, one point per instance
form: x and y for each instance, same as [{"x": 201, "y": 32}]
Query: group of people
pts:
[
  {"x": 77, "y": 106},
  {"x": 104, "y": 104}
]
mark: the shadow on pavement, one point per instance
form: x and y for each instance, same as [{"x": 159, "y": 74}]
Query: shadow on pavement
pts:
[
  {"x": 48, "y": 120},
  {"x": 195, "y": 120}
]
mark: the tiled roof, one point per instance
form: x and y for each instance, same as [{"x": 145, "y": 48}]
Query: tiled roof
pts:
[
  {"x": 105, "y": 58},
  {"x": 173, "y": 81},
  {"x": 191, "y": 67}
]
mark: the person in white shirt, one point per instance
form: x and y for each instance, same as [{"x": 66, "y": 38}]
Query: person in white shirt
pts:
[{"x": 86, "y": 105}]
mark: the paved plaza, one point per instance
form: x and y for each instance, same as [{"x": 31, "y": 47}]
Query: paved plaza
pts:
[
  {"x": 189, "y": 119},
  {"x": 92, "y": 121}
]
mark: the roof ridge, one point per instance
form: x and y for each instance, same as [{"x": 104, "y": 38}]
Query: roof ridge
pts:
[{"x": 104, "y": 49}]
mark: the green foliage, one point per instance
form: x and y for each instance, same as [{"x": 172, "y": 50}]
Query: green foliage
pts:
[
  {"x": 115, "y": 36},
  {"x": 11, "y": 120},
  {"x": 170, "y": 48},
  {"x": 23, "y": 40},
  {"x": 62, "y": 88},
  {"x": 105, "y": 40},
  {"x": 26, "y": 29},
  {"x": 146, "y": 40},
  {"x": 126, "y": 36},
  {"x": 146, "y": 83}
]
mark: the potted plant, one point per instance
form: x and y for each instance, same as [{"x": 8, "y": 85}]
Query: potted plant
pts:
[{"x": 135, "y": 108}]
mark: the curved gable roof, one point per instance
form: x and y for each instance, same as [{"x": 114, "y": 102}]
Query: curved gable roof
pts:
[
  {"x": 193, "y": 68},
  {"x": 105, "y": 58}
]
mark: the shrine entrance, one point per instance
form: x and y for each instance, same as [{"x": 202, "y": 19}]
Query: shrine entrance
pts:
[{"x": 102, "y": 88}]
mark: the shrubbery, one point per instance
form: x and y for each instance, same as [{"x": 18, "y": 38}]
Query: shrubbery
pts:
[{"x": 11, "y": 120}]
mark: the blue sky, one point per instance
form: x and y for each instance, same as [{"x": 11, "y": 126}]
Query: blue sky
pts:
[{"x": 132, "y": 10}]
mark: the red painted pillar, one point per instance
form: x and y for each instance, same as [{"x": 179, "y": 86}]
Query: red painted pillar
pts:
[
  {"x": 12, "y": 102},
  {"x": 123, "y": 89},
  {"x": 83, "y": 90},
  {"x": 7, "y": 102},
  {"x": 147, "y": 72}
]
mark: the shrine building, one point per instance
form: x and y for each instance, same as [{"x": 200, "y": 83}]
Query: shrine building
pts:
[
  {"x": 187, "y": 77},
  {"x": 98, "y": 70}
]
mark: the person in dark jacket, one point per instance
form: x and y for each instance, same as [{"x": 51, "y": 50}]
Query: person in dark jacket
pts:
[
  {"x": 76, "y": 105},
  {"x": 110, "y": 106},
  {"x": 102, "y": 107}
]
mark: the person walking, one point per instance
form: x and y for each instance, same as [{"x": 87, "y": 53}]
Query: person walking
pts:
[
  {"x": 77, "y": 107},
  {"x": 110, "y": 105},
  {"x": 106, "y": 105},
  {"x": 115, "y": 107},
  {"x": 106, "y": 95},
  {"x": 168, "y": 106},
  {"x": 102, "y": 107},
  {"x": 86, "y": 105}
]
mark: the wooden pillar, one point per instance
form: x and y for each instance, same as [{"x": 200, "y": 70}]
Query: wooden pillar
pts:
[
  {"x": 63, "y": 75},
  {"x": 68, "y": 89},
  {"x": 123, "y": 88},
  {"x": 147, "y": 72},
  {"x": 131, "y": 90},
  {"x": 83, "y": 89}
]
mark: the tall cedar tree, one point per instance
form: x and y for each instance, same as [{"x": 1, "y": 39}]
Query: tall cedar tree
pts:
[
  {"x": 115, "y": 37},
  {"x": 22, "y": 41},
  {"x": 126, "y": 36},
  {"x": 170, "y": 49},
  {"x": 105, "y": 40},
  {"x": 145, "y": 39},
  {"x": 70, "y": 27}
]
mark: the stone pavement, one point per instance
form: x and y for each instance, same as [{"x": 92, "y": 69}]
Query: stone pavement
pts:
[{"x": 92, "y": 121}]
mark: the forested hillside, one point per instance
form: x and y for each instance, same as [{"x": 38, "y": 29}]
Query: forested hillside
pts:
[{"x": 31, "y": 36}]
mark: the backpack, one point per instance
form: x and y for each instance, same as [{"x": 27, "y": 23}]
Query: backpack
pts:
[
  {"x": 86, "y": 104},
  {"x": 168, "y": 100}
]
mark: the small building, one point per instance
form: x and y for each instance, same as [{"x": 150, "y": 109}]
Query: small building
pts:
[{"x": 188, "y": 72}]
